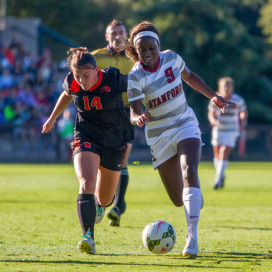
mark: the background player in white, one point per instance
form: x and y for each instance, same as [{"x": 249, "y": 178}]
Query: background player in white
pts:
[
  {"x": 226, "y": 128},
  {"x": 171, "y": 126}
]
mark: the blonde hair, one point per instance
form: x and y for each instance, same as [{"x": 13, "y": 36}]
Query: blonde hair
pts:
[{"x": 224, "y": 79}]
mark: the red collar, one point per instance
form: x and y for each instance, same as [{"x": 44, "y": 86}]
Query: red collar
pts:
[
  {"x": 155, "y": 69},
  {"x": 100, "y": 76}
]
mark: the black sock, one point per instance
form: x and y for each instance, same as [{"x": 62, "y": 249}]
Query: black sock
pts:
[
  {"x": 86, "y": 211},
  {"x": 121, "y": 189}
]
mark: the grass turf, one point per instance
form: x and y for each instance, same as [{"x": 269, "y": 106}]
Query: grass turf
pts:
[{"x": 40, "y": 229}]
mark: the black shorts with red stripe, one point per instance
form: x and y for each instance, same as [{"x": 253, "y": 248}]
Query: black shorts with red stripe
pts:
[{"x": 109, "y": 158}]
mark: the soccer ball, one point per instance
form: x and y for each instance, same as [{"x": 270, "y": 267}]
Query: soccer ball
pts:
[{"x": 159, "y": 237}]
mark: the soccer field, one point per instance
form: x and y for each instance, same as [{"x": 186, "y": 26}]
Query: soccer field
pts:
[{"x": 39, "y": 228}]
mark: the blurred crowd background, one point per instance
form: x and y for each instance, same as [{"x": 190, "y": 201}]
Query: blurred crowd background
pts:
[{"x": 216, "y": 39}]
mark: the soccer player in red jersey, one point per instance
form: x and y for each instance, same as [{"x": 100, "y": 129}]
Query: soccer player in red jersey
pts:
[
  {"x": 114, "y": 55},
  {"x": 100, "y": 135}
]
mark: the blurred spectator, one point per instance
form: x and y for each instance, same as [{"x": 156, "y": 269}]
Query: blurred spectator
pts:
[
  {"x": 6, "y": 79},
  {"x": 45, "y": 67},
  {"x": 66, "y": 131},
  {"x": 29, "y": 87}
]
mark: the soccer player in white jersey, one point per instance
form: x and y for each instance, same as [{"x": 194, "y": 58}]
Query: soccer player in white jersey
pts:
[
  {"x": 171, "y": 129},
  {"x": 226, "y": 128}
]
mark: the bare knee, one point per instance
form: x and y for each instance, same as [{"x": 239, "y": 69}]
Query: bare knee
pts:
[
  {"x": 105, "y": 201},
  {"x": 87, "y": 186}
]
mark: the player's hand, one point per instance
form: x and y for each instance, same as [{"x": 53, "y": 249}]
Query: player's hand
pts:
[
  {"x": 48, "y": 125},
  {"x": 143, "y": 119},
  {"x": 221, "y": 103}
]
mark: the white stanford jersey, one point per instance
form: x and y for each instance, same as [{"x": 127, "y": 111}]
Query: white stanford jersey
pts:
[
  {"x": 162, "y": 94},
  {"x": 229, "y": 121}
]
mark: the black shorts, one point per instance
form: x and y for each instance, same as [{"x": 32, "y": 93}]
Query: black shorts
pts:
[{"x": 110, "y": 159}]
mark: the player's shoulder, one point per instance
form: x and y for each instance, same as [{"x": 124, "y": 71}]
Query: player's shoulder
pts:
[
  {"x": 169, "y": 53},
  {"x": 136, "y": 71},
  {"x": 70, "y": 84},
  {"x": 100, "y": 51},
  {"x": 110, "y": 70},
  {"x": 113, "y": 73},
  {"x": 237, "y": 97},
  {"x": 69, "y": 78}
]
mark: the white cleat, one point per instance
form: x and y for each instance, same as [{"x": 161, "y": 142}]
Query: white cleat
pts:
[
  {"x": 191, "y": 248},
  {"x": 87, "y": 245},
  {"x": 100, "y": 212}
]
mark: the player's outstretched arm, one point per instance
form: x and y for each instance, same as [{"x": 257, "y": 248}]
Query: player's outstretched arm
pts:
[
  {"x": 63, "y": 102},
  {"x": 199, "y": 85},
  {"x": 221, "y": 103}
]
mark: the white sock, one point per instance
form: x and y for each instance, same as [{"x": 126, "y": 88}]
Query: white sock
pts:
[
  {"x": 220, "y": 171},
  {"x": 215, "y": 162},
  {"x": 192, "y": 203}
]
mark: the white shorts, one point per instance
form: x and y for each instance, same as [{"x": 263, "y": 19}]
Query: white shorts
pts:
[
  {"x": 224, "y": 138},
  {"x": 166, "y": 147}
]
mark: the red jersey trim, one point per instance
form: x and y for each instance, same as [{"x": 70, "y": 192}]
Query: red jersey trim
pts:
[
  {"x": 155, "y": 69},
  {"x": 100, "y": 76},
  {"x": 74, "y": 87}
]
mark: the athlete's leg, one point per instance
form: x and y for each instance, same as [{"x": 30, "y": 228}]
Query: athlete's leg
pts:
[
  {"x": 170, "y": 173},
  {"x": 86, "y": 167},
  {"x": 189, "y": 151},
  {"x": 123, "y": 183},
  {"x": 224, "y": 152},
  {"x": 223, "y": 160},
  {"x": 215, "y": 155},
  {"x": 106, "y": 184},
  {"x": 119, "y": 206}
]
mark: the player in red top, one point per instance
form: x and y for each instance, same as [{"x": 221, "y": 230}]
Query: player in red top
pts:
[{"x": 100, "y": 135}]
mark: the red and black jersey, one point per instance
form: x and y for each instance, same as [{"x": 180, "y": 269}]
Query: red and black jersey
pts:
[{"x": 100, "y": 110}]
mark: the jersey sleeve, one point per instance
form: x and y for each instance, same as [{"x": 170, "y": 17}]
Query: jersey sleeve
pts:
[
  {"x": 65, "y": 85},
  {"x": 119, "y": 81},
  {"x": 179, "y": 61},
  {"x": 242, "y": 104},
  {"x": 134, "y": 91},
  {"x": 122, "y": 82}
]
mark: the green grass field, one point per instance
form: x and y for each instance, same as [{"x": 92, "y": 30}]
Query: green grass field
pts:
[{"x": 40, "y": 229}]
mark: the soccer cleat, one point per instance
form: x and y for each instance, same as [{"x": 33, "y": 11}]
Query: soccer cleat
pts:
[
  {"x": 222, "y": 182},
  {"x": 191, "y": 248},
  {"x": 100, "y": 212},
  {"x": 219, "y": 184},
  {"x": 114, "y": 215},
  {"x": 87, "y": 245}
]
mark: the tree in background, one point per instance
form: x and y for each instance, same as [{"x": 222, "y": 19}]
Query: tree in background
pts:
[{"x": 216, "y": 38}]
